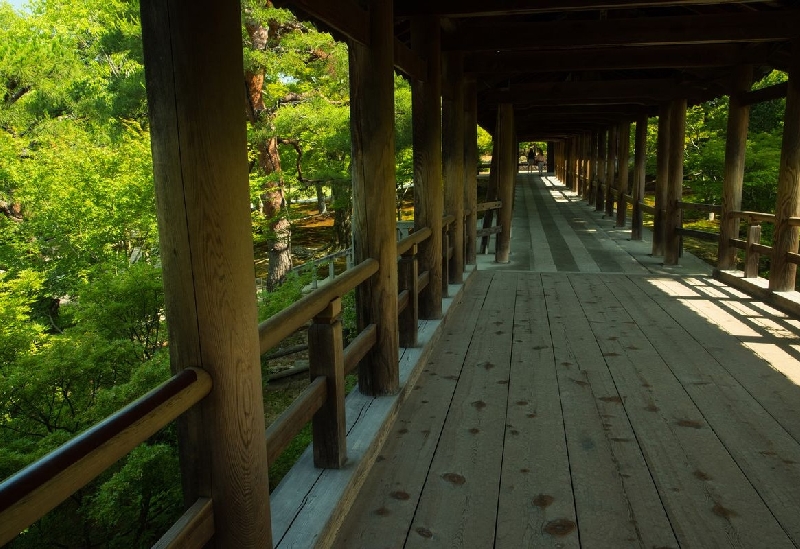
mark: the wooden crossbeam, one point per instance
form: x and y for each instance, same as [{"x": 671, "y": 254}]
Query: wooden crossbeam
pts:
[
  {"x": 618, "y": 58},
  {"x": 778, "y": 91},
  {"x": 482, "y": 8},
  {"x": 695, "y": 29}
]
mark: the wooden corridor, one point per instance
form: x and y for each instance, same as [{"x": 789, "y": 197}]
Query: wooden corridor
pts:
[{"x": 615, "y": 408}]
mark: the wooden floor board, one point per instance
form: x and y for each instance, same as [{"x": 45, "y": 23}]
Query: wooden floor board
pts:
[
  {"x": 616, "y": 501},
  {"x": 765, "y": 452},
  {"x": 536, "y": 505},
  {"x": 459, "y": 500},
  {"x": 385, "y": 507},
  {"x": 708, "y": 499}
]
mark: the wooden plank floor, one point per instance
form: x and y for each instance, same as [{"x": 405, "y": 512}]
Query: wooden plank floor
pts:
[
  {"x": 597, "y": 407},
  {"x": 592, "y": 410}
]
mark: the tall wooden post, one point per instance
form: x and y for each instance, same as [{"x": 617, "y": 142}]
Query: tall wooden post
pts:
[
  {"x": 592, "y": 172},
  {"x": 735, "y": 148},
  {"x": 551, "y": 159},
  {"x": 662, "y": 180},
  {"x": 677, "y": 136},
  {"x": 453, "y": 159},
  {"x": 639, "y": 173},
  {"x": 602, "y": 160},
  {"x": 374, "y": 236},
  {"x": 471, "y": 168},
  {"x": 624, "y": 156},
  {"x": 587, "y": 165},
  {"x": 611, "y": 165},
  {"x": 199, "y": 145},
  {"x": 507, "y": 170},
  {"x": 785, "y": 239},
  {"x": 427, "y": 135}
]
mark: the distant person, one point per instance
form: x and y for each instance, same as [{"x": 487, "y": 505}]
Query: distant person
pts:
[
  {"x": 540, "y": 161},
  {"x": 530, "y": 159}
]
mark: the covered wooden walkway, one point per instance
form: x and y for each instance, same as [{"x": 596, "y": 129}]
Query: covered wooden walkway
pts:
[{"x": 572, "y": 403}]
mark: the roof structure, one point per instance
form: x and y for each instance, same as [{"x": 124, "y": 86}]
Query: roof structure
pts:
[{"x": 574, "y": 66}]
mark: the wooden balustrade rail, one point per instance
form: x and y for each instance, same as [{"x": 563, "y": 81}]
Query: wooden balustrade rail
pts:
[
  {"x": 483, "y": 206},
  {"x": 648, "y": 209},
  {"x": 286, "y": 426},
  {"x": 281, "y": 325},
  {"x": 193, "y": 530},
  {"x": 707, "y": 208},
  {"x": 29, "y": 494},
  {"x": 753, "y": 216},
  {"x": 417, "y": 237}
]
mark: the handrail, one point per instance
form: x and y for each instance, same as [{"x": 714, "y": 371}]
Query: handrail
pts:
[
  {"x": 286, "y": 322},
  {"x": 483, "y": 206},
  {"x": 708, "y": 208},
  {"x": 193, "y": 530},
  {"x": 281, "y": 431},
  {"x": 359, "y": 347},
  {"x": 29, "y": 494},
  {"x": 647, "y": 208},
  {"x": 700, "y": 235},
  {"x": 417, "y": 237},
  {"x": 753, "y": 216},
  {"x": 448, "y": 219}
]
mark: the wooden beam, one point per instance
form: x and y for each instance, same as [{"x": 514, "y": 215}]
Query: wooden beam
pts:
[
  {"x": 374, "y": 235},
  {"x": 785, "y": 240},
  {"x": 453, "y": 160},
  {"x": 507, "y": 170},
  {"x": 778, "y": 91},
  {"x": 735, "y": 147},
  {"x": 199, "y": 145},
  {"x": 481, "y": 8},
  {"x": 677, "y": 136},
  {"x": 617, "y": 58},
  {"x": 426, "y": 128},
  {"x": 695, "y": 29},
  {"x": 343, "y": 16},
  {"x": 408, "y": 62},
  {"x": 639, "y": 172}
]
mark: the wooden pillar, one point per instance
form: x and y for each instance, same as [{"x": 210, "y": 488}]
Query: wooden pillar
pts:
[
  {"x": 507, "y": 169},
  {"x": 199, "y": 145},
  {"x": 587, "y": 166},
  {"x": 453, "y": 159},
  {"x": 427, "y": 135},
  {"x": 576, "y": 164},
  {"x": 639, "y": 174},
  {"x": 374, "y": 236},
  {"x": 471, "y": 168},
  {"x": 677, "y": 136},
  {"x": 602, "y": 160},
  {"x": 785, "y": 239},
  {"x": 735, "y": 148},
  {"x": 611, "y": 166},
  {"x": 624, "y": 156},
  {"x": 592, "y": 171},
  {"x": 551, "y": 159},
  {"x": 662, "y": 179}
]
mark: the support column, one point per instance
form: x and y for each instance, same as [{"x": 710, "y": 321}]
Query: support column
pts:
[
  {"x": 453, "y": 159},
  {"x": 662, "y": 179},
  {"x": 602, "y": 159},
  {"x": 639, "y": 174},
  {"x": 592, "y": 172},
  {"x": 611, "y": 166},
  {"x": 427, "y": 135},
  {"x": 624, "y": 156},
  {"x": 471, "y": 168},
  {"x": 507, "y": 170},
  {"x": 785, "y": 239},
  {"x": 735, "y": 148},
  {"x": 374, "y": 235},
  {"x": 199, "y": 146},
  {"x": 677, "y": 136},
  {"x": 551, "y": 158}
]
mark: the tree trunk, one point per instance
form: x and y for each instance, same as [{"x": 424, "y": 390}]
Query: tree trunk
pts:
[
  {"x": 341, "y": 193},
  {"x": 322, "y": 207}
]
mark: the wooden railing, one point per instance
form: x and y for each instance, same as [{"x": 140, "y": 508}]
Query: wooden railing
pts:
[
  {"x": 322, "y": 402},
  {"x": 29, "y": 494},
  {"x": 488, "y": 230}
]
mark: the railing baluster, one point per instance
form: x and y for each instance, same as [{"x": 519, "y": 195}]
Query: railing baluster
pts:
[
  {"x": 407, "y": 280},
  {"x": 326, "y": 358},
  {"x": 751, "y": 255}
]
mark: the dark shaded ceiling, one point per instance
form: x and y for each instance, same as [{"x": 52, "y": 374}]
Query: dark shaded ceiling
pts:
[{"x": 572, "y": 66}]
